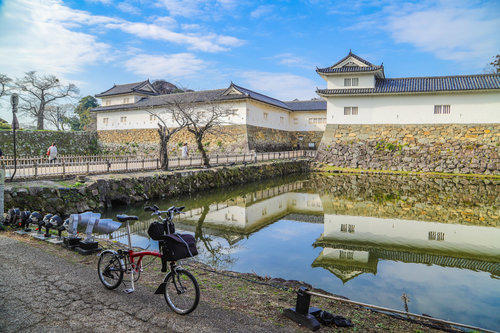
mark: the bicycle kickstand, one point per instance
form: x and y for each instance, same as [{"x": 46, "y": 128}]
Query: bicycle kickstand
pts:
[{"x": 130, "y": 290}]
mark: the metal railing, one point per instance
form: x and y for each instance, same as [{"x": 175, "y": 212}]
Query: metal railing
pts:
[{"x": 35, "y": 167}]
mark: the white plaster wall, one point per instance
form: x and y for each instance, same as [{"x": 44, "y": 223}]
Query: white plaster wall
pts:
[
  {"x": 299, "y": 121},
  {"x": 118, "y": 100},
  {"x": 416, "y": 109},
  {"x": 141, "y": 118},
  {"x": 256, "y": 112},
  {"x": 477, "y": 240},
  {"x": 337, "y": 81}
]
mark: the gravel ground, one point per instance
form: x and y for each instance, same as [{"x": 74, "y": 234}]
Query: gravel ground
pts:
[{"x": 40, "y": 292}]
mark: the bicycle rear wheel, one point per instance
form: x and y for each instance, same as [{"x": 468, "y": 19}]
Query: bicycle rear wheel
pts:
[
  {"x": 182, "y": 292},
  {"x": 110, "y": 269}
]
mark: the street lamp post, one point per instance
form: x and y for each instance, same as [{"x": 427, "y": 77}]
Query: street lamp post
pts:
[{"x": 14, "y": 100}]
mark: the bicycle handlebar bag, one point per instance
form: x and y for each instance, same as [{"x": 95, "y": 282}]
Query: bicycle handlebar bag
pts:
[
  {"x": 157, "y": 230},
  {"x": 179, "y": 246}
]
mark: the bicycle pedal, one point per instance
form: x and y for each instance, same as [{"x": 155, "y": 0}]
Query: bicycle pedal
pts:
[{"x": 128, "y": 291}]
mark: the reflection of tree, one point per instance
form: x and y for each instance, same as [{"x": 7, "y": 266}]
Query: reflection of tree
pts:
[{"x": 219, "y": 255}]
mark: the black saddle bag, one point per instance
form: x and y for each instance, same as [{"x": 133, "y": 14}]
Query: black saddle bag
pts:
[{"x": 179, "y": 246}]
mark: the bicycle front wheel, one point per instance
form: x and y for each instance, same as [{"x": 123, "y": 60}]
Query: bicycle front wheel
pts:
[
  {"x": 110, "y": 269},
  {"x": 182, "y": 292}
]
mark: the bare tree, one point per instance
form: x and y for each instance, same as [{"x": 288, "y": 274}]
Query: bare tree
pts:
[
  {"x": 37, "y": 92},
  {"x": 59, "y": 115},
  {"x": 201, "y": 118},
  {"x": 4, "y": 84},
  {"x": 166, "y": 131}
]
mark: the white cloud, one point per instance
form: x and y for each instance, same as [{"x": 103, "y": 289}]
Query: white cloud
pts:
[
  {"x": 180, "y": 65},
  {"x": 460, "y": 30},
  {"x": 207, "y": 43},
  {"x": 448, "y": 32},
  {"x": 291, "y": 60},
  {"x": 282, "y": 86},
  {"x": 261, "y": 11},
  {"x": 127, "y": 7},
  {"x": 37, "y": 35},
  {"x": 185, "y": 8}
]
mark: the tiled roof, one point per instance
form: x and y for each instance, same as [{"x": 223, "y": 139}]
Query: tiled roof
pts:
[
  {"x": 125, "y": 88},
  {"x": 258, "y": 97},
  {"x": 216, "y": 95},
  {"x": 312, "y": 105},
  {"x": 349, "y": 69},
  {"x": 423, "y": 85}
]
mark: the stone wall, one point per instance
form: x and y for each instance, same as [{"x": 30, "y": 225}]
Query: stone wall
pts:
[
  {"x": 37, "y": 142},
  {"x": 131, "y": 141},
  {"x": 127, "y": 188},
  {"x": 454, "y": 148},
  {"x": 231, "y": 138},
  {"x": 268, "y": 139},
  {"x": 461, "y": 200}
]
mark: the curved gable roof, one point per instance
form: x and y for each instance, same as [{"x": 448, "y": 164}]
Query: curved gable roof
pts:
[{"x": 143, "y": 87}]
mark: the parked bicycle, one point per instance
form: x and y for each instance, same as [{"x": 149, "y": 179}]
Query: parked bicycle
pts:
[{"x": 179, "y": 287}]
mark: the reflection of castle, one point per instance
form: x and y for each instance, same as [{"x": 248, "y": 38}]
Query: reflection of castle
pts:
[
  {"x": 353, "y": 245},
  {"x": 248, "y": 213}
]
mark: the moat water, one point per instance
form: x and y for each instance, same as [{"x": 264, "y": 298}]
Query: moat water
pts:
[{"x": 369, "y": 238}]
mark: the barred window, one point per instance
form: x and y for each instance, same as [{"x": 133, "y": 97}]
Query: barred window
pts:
[
  {"x": 442, "y": 109},
  {"x": 351, "y": 82},
  {"x": 350, "y": 110}
]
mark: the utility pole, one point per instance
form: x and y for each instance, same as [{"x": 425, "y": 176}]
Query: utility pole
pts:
[{"x": 14, "y": 100}]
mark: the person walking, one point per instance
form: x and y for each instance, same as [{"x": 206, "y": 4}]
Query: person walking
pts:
[
  {"x": 52, "y": 153},
  {"x": 185, "y": 151}
]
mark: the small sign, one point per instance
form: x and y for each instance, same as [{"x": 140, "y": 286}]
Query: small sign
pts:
[{"x": 14, "y": 100}]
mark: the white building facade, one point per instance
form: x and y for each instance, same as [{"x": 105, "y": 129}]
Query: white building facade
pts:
[
  {"x": 440, "y": 124},
  {"x": 132, "y": 107}
]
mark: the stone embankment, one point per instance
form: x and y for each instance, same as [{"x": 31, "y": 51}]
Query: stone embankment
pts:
[
  {"x": 453, "y": 148},
  {"x": 99, "y": 192},
  {"x": 423, "y": 198}
]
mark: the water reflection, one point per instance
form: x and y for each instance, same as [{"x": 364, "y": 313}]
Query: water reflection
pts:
[{"x": 367, "y": 237}]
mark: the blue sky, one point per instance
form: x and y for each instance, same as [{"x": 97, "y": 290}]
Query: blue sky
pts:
[{"x": 272, "y": 47}]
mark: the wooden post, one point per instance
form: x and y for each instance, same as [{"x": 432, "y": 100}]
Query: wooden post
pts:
[
  {"x": 217, "y": 159},
  {"x": 64, "y": 168},
  {"x": 157, "y": 163},
  {"x": 88, "y": 166},
  {"x": 143, "y": 163},
  {"x": 126, "y": 163},
  {"x": 36, "y": 169}
]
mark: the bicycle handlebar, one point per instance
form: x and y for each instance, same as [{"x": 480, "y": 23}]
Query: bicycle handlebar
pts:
[{"x": 156, "y": 210}]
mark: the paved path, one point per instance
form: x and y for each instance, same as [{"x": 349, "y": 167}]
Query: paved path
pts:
[{"x": 40, "y": 292}]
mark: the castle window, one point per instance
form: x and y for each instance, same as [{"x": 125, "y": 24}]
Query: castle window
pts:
[
  {"x": 126, "y": 100},
  {"x": 442, "y": 109},
  {"x": 152, "y": 117},
  {"x": 351, "y": 82},
  {"x": 123, "y": 119},
  {"x": 282, "y": 120},
  {"x": 107, "y": 102},
  {"x": 105, "y": 121},
  {"x": 265, "y": 115},
  {"x": 350, "y": 110},
  {"x": 295, "y": 121}
]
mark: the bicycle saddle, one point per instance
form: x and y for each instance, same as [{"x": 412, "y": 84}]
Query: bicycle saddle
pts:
[{"x": 123, "y": 218}]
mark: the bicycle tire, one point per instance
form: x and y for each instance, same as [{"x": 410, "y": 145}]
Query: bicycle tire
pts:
[
  {"x": 182, "y": 292},
  {"x": 110, "y": 269}
]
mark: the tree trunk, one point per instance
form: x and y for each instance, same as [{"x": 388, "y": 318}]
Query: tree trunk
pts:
[
  {"x": 164, "y": 138},
  {"x": 206, "y": 161},
  {"x": 39, "y": 120}
]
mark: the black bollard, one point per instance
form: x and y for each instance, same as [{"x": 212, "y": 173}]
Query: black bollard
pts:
[{"x": 302, "y": 313}]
